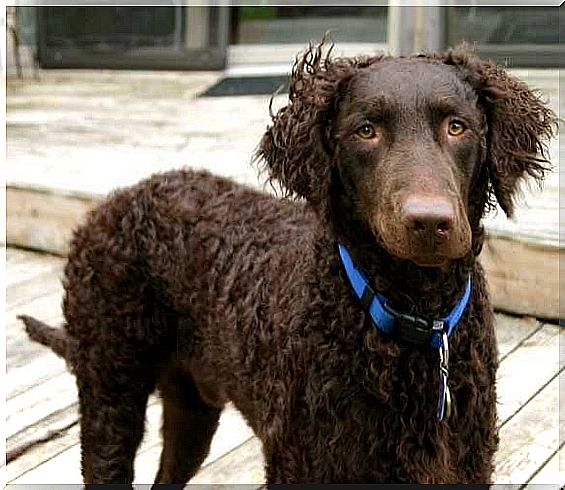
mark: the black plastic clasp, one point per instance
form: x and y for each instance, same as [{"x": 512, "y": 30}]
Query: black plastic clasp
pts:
[{"x": 412, "y": 329}]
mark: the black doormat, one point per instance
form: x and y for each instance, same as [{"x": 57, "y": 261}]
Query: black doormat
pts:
[{"x": 256, "y": 85}]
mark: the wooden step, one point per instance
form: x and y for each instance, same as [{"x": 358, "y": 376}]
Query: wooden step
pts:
[{"x": 523, "y": 273}]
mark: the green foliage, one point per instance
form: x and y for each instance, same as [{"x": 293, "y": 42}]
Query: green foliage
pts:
[{"x": 257, "y": 13}]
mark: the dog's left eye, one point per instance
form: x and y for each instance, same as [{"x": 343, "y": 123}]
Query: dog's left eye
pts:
[
  {"x": 456, "y": 127},
  {"x": 367, "y": 131}
]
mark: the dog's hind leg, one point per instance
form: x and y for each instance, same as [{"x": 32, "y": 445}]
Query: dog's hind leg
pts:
[
  {"x": 188, "y": 426},
  {"x": 114, "y": 385},
  {"x": 110, "y": 436}
]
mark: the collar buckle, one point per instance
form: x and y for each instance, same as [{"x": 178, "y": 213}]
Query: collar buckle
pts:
[{"x": 412, "y": 329}]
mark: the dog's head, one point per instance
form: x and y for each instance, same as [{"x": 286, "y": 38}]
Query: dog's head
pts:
[{"x": 409, "y": 150}]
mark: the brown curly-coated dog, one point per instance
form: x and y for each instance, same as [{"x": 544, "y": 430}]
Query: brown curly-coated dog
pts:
[{"x": 212, "y": 292}]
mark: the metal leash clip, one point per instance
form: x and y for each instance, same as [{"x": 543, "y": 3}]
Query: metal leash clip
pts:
[{"x": 444, "y": 398}]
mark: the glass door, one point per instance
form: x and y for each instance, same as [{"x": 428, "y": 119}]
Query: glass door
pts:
[
  {"x": 517, "y": 36},
  {"x": 261, "y": 36},
  {"x": 278, "y": 25},
  {"x": 133, "y": 37}
]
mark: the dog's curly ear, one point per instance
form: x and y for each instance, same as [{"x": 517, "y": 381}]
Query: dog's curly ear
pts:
[
  {"x": 519, "y": 126},
  {"x": 297, "y": 149}
]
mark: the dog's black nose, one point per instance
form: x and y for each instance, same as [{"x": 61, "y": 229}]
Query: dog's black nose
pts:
[{"x": 428, "y": 217}]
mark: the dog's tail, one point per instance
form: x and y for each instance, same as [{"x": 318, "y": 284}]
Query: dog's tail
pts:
[{"x": 54, "y": 338}]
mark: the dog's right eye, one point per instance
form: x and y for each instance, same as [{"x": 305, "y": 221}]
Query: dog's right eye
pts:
[
  {"x": 456, "y": 127},
  {"x": 367, "y": 131}
]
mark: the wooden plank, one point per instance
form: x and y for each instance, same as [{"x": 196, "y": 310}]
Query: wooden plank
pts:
[
  {"x": 232, "y": 432},
  {"x": 14, "y": 255},
  {"x": 58, "y": 461},
  {"x": 42, "y": 306},
  {"x": 216, "y": 472},
  {"x": 51, "y": 396},
  {"x": 529, "y": 438},
  {"x": 244, "y": 465},
  {"x": 533, "y": 363},
  {"x": 511, "y": 331},
  {"x": 28, "y": 266},
  {"x": 536, "y": 220},
  {"x": 552, "y": 473},
  {"x": 20, "y": 352},
  {"x": 69, "y": 87},
  {"x": 19, "y": 348},
  {"x": 42, "y": 221},
  {"x": 33, "y": 373},
  {"x": 147, "y": 463},
  {"x": 62, "y": 469},
  {"x": 37, "y": 293},
  {"x": 522, "y": 278},
  {"x": 17, "y": 256},
  {"x": 41, "y": 284},
  {"x": 41, "y": 453},
  {"x": 53, "y": 423}
]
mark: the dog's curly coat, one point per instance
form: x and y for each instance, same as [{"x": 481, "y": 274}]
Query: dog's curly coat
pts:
[{"x": 213, "y": 292}]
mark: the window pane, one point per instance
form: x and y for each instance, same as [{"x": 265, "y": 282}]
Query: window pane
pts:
[
  {"x": 504, "y": 25},
  {"x": 113, "y": 26},
  {"x": 274, "y": 25}
]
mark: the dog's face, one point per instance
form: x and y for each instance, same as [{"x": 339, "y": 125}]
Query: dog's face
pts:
[
  {"x": 409, "y": 138},
  {"x": 410, "y": 151}
]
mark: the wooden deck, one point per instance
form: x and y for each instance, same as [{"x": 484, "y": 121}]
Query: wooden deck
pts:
[{"x": 42, "y": 427}]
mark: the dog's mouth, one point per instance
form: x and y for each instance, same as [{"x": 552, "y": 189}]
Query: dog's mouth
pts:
[
  {"x": 429, "y": 257},
  {"x": 430, "y": 260},
  {"x": 425, "y": 249}
]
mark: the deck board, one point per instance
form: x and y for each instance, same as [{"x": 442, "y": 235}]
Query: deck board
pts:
[
  {"x": 37, "y": 370},
  {"x": 529, "y": 438},
  {"x": 20, "y": 271},
  {"x": 50, "y": 396},
  {"x": 42, "y": 284},
  {"x": 18, "y": 348},
  {"x": 512, "y": 331},
  {"x": 552, "y": 472},
  {"x": 42, "y": 399},
  {"x": 535, "y": 361}
]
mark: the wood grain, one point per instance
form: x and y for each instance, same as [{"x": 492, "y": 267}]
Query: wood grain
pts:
[
  {"x": 523, "y": 373},
  {"x": 552, "y": 473},
  {"x": 43, "y": 220},
  {"x": 523, "y": 278},
  {"x": 529, "y": 438},
  {"x": 511, "y": 331}
]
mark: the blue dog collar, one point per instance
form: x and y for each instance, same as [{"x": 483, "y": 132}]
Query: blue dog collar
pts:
[
  {"x": 411, "y": 328},
  {"x": 386, "y": 319}
]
